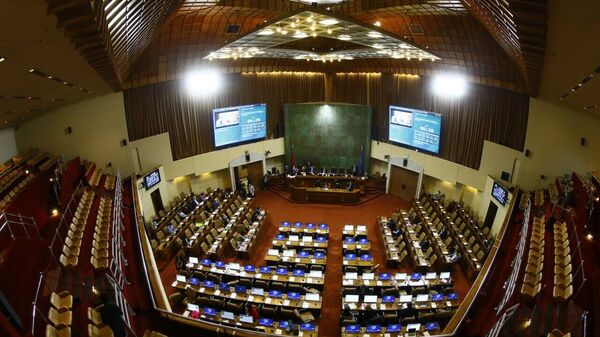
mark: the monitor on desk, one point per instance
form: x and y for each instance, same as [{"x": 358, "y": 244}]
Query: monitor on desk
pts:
[
  {"x": 352, "y": 328},
  {"x": 430, "y": 276},
  {"x": 193, "y": 307},
  {"x": 294, "y": 238},
  {"x": 431, "y": 326},
  {"x": 349, "y": 240},
  {"x": 384, "y": 276},
  {"x": 289, "y": 253},
  {"x": 315, "y": 273},
  {"x": 275, "y": 293},
  {"x": 348, "y": 228},
  {"x": 452, "y": 296},
  {"x": 351, "y": 276},
  {"x": 284, "y": 325},
  {"x": 307, "y": 327},
  {"x": 285, "y": 224},
  {"x": 437, "y": 297},
  {"x": 413, "y": 327},
  {"x": 307, "y": 238},
  {"x": 268, "y": 322},
  {"x": 361, "y": 228},
  {"x": 281, "y": 271},
  {"x": 392, "y": 328},
  {"x": 246, "y": 319},
  {"x": 265, "y": 269},
  {"x": 292, "y": 295},
  {"x": 319, "y": 255},
  {"x": 400, "y": 276},
  {"x": 310, "y": 225},
  {"x": 298, "y": 273},
  {"x": 323, "y": 226},
  {"x": 363, "y": 241},
  {"x": 279, "y": 237},
  {"x": 228, "y": 315},
  {"x": 303, "y": 254},
  {"x": 194, "y": 281},
  {"x": 370, "y": 299},
  {"x": 388, "y": 299},
  {"x": 209, "y": 284},
  {"x": 193, "y": 260},
  {"x": 249, "y": 268},
  {"x": 416, "y": 277},
  {"x": 368, "y": 276},
  {"x": 205, "y": 262},
  {"x": 351, "y": 298},
  {"x": 312, "y": 297},
  {"x": 298, "y": 224},
  {"x": 405, "y": 298},
  {"x": 445, "y": 275},
  {"x": 257, "y": 291},
  {"x": 234, "y": 266},
  {"x": 422, "y": 298},
  {"x": 366, "y": 257},
  {"x": 224, "y": 287},
  {"x": 273, "y": 252},
  {"x": 220, "y": 264},
  {"x": 373, "y": 328},
  {"x": 350, "y": 256},
  {"x": 210, "y": 311},
  {"x": 180, "y": 278}
]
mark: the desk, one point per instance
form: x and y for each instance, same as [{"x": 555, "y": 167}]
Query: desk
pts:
[
  {"x": 299, "y": 241},
  {"x": 391, "y": 331},
  {"x": 401, "y": 303},
  {"x": 308, "y": 228},
  {"x": 309, "y": 181},
  {"x": 294, "y": 258},
  {"x": 399, "y": 280}
]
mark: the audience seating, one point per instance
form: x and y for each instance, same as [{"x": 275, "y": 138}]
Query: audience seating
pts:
[
  {"x": 532, "y": 280},
  {"x": 54, "y": 332},
  {"x": 94, "y": 331},
  {"x": 69, "y": 258},
  {"x": 62, "y": 301},
  {"x": 100, "y": 252},
  {"x": 60, "y": 319},
  {"x": 563, "y": 278}
]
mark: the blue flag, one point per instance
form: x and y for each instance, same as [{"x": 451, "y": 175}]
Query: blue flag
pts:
[{"x": 361, "y": 161}]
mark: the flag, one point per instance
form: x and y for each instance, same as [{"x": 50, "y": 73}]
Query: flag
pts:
[
  {"x": 293, "y": 158},
  {"x": 361, "y": 161}
]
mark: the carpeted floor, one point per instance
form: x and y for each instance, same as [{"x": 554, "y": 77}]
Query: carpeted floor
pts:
[{"x": 336, "y": 216}]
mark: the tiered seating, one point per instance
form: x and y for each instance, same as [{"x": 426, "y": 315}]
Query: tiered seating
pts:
[
  {"x": 250, "y": 232},
  {"x": 563, "y": 273},
  {"x": 359, "y": 257},
  {"x": 95, "y": 177},
  {"x": 524, "y": 199},
  {"x": 60, "y": 314},
  {"x": 553, "y": 192},
  {"x": 9, "y": 181},
  {"x": 100, "y": 246},
  {"x": 109, "y": 183},
  {"x": 48, "y": 163},
  {"x": 539, "y": 198},
  {"x": 71, "y": 248},
  {"x": 34, "y": 161},
  {"x": 532, "y": 281}
]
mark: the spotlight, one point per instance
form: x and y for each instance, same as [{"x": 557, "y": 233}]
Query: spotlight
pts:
[
  {"x": 55, "y": 212},
  {"x": 26, "y": 171},
  {"x": 449, "y": 85},
  {"x": 203, "y": 82}
]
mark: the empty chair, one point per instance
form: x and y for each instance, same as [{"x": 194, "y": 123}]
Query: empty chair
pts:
[
  {"x": 94, "y": 331},
  {"x": 62, "y": 301},
  {"x": 100, "y": 253},
  {"x": 54, "y": 332},
  {"x": 563, "y": 281},
  {"x": 530, "y": 292},
  {"x": 534, "y": 268},
  {"x": 60, "y": 319},
  {"x": 68, "y": 262},
  {"x": 94, "y": 316},
  {"x": 562, "y": 294},
  {"x": 563, "y": 270},
  {"x": 99, "y": 264},
  {"x": 278, "y": 286},
  {"x": 234, "y": 244},
  {"x": 562, "y": 261},
  {"x": 100, "y": 244},
  {"x": 558, "y": 333},
  {"x": 268, "y": 311},
  {"x": 532, "y": 280},
  {"x": 70, "y": 251}
]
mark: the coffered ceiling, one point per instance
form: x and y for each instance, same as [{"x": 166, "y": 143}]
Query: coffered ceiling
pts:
[{"x": 97, "y": 46}]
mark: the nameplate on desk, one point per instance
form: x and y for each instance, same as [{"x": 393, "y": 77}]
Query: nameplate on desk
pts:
[
  {"x": 286, "y": 302},
  {"x": 309, "y": 280},
  {"x": 278, "y": 331},
  {"x": 275, "y": 277},
  {"x": 268, "y": 300},
  {"x": 304, "y": 305}
]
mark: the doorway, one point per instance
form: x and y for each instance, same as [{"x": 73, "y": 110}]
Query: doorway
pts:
[
  {"x": 403, "y": 182},
  {"x": 490, "y": 216},
  {"x": 157, "y": 201}
]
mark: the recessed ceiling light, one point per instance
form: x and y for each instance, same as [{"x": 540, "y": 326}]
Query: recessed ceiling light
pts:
[
  {"x": 377, "y": 46},
  {"x": 404, "y": 46},
  {"x": 345, "y": 37},
  {"x": 300, "y": 34},
  {"x": 377, "y": 23},
  {"x": 267, "y": 31},
  {"x": 328, "y": 22},
  {"x": 374, "y": 34},
  {"x": 31, "y": 70},
  {"x": 2, "y": 59}
]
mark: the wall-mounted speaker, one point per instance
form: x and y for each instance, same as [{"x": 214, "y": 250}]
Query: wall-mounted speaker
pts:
[
  {"x": 542, "y": 177},
  {"x": 527, "y": 153},
  {"x": 405, "y": 162},
  {"x": 505, "y": 176},
  {"x": 247, "y": 154},
  {"x": 583, "y": 141},
  {"x": 69, "y": 130},
  {"x": 124, "y": 142}
]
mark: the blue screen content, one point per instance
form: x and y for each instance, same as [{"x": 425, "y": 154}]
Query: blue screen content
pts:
[
  {"x": 415, "y": 128},
  {"x": 239, "y": 124}
]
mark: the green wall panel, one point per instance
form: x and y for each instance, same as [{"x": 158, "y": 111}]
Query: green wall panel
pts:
[{"x": 329, "y": 135}]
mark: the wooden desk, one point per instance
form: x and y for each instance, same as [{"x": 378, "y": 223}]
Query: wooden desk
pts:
[
  {"x": 398, "y": 304},
  {"x": 310, "y": 259},
  {"x": 314, "y": 180},
  {"x": 434, "y": 330},
  {"x": 298, "y": 227},
  {"x": 400, "y": 280}
]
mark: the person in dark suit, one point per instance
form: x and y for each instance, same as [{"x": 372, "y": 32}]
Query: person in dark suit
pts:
[
  {"x": 444, "y": 233},
  {"x": 391, "y": 224},
  {"x": 370, "y": 316},
  {"x": 409, "y": 311},
  {"x": 424, "y": 244},
  {"x": 111, "y": 316}
]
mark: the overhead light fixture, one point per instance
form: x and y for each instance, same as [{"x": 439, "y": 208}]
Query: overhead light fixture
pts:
[
  {"x": 266, "y": 31},
  {"x": 377, "y": 24},
  {"x": 2, "y": 59},
  {"x": 203, "y": 82},
  {"x": 300, "y": 34},
  {"x": 374, "y": 34},
  {"x": 345, "y": 37},
  {"x": 31, "y": 70},
  {"x": 328, "y": 22},
  {"x": 449, "y": 85}
]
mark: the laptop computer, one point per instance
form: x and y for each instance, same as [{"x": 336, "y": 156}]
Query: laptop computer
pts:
[
  {"x": 452, "y": 296},
  {"x": 298, "y": 224},
  {"x": 279, "y": 237},
  {"x": 416, "y": 277},
  {"x": 206, "y": 262},
  {"x": 292, "y": 295},
  {"x": 323, "y": 226},
  {"x": 349, "y": 240},
  {"x": 246, "y": 319},
  {"x": 193, "y": 260},
  {"x": 400, "y": 276},
  {"x": 249, "y": 268},
  {"x": 310, "y": 225},
  {"x": 350, "y": 257},
  {"x": 351, "y": 298},
  {"x": 289, "y": 253},
  {"x": 210, "y": 311},
  {"x": 315, "y": 273},
  {"x": 321, "y": 239},
  {"x": 307, "y": 238},
  {"x": 180, "y": 278},
  {"x": 284, "y": 325},
  {"x": 368, "y": 276},
  {"x": 281, "y": 271},
  {"x": 194, "y": 281},
  {"x": 307, "y": 327},
  {"x": 413, "y": 327},
  {"x": 273, "y": 252},
  {"x": 285, "y": 224},
  {"x": 361, "y": 228},
  {"x": 366, "y": 257},
  {"x": 209, "y": 284},
  {"x": 352, "y": 328},
  {"x": 265, "y": 270},
  {"x": 431, "y": 326},
  {"x": 294, "y": 238},
  {"x": 257, "y": 291},
  {"x": 373, "y": 328},
  {"x": 384, "y": 276},
  {"x": 363, "y": 241},
  {"x": 220, "y": 264},
  {"x": 405, "y": 298},
  {"x": 445, "y": 275},
  {"x": 422, "y": 298},
  {"x": 351, "y": 276},
  {"x": 275, "y": 293},
  {"x": 298, "y": 272},
  {"x": 303, "y": 254},
  {"x": 437, "y": 297},
  {"x": 193, "y": 307},
  {"x": 430, "y": 276},
  {"x": 228, "y": 315},
  {"x": 268, "y": 322},
  {"x": 348, "y": 227},
  {"x": 224, "y": 287},
  {"x": 391, "y": 328},
  {"x": 388, "y": 299},
  {"x": 370, "y": 299},
  {"x": 319, "y": 255},
  {"x": 312, "y": 297}
]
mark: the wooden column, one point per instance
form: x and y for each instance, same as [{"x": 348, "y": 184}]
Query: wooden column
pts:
[{"x": 328, "y": 84}]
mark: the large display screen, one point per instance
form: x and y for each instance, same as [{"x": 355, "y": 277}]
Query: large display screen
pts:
[
  {"x": 499, "y": 193},
  {"x": 239, "y": 124},
  {"x": 415, "y": 128},
  {"x": 151, "y": 179}
]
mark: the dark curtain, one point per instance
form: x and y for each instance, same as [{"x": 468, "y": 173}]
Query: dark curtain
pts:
[
  {"x": 488, "y": 113},
  {"x": 168, "y": 107}
]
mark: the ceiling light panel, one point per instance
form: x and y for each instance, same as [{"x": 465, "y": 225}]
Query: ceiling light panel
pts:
[{"x": 264, "y": 41}]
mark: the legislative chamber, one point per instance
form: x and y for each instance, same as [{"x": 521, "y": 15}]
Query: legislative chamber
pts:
[{"x": 299, "y": 168}]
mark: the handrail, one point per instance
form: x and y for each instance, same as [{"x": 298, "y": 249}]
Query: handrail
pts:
[
  {"x": 18, "y": 219},
  {"x": 456, "y": 321}
]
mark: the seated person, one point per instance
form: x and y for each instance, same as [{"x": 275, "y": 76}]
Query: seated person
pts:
[
  {"x": 215, "y": 204},
  {"x": 424, "y": 244},
  {"x": 181, "y": 213},
  {"x": 452, "y": 249},
  {"x": 349, "y": 186},
  {"x": 250, "y": 189},
  {"x": 274, "y": 171},
  {"x": 155, "y": 223},
  {"x": 409, "y": 311},
  {"x": 224, "y": 218},
  {"x": 186, "y": 241},
  {"x": 444, "y": 233},
  {"x": 397, "y": 232},
  {"x": 391, "y": 224},
  {"x": 454, "y": 257},
  {"x": 347, "y": 315},
  {"x": 170, "y": 229}
]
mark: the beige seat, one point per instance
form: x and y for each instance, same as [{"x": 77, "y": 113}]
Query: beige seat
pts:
[
  {"x": 68, "y": 262},
  {"x": 563, "y": 281},
  {"x": 70, "y": 251},
  {"x": 94, "y": 331},
  {"x": 62, "y": 301},
  {"x": 94, "y": 316},
  {"x": 54, "y": 332},
  {"x": 60, "y": 319},
  {"x": 100, "y": 244},
  {"x": 99, "y": 264},
  {"x": 100, "y": 253},
  {"x": 558, "y": 333},
  {"x": 562, "y": 261},
  {"x": 533, "y": 268},
  {"x": 532, "y": 280},
  {"x": 562, "y": 294},
  {"x": 563, "y": 271},
  {"x": 530, "y": 292}
]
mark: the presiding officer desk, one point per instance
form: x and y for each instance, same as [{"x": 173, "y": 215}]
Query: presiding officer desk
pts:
[{"x": 308, "y": 188}]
